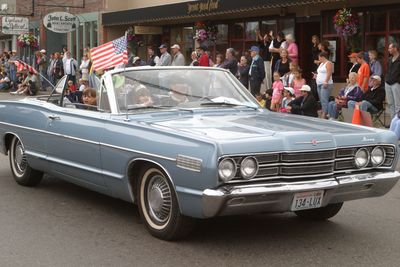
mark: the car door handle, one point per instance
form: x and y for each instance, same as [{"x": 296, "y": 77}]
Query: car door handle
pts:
[{"x": 54, "y": 117}]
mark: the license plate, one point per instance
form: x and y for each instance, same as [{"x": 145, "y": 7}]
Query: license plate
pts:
[{"x": 307, "y": 200}]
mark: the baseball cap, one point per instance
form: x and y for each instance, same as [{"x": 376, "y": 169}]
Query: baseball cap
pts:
[
  {"x": 290, "y": 90},
  {"x": 254, "y": 48},
  {"x": 305, "y": 88},
  {"x": 163, "y": 46},
  {"x": 376, "y": 77},
  {"x": 14, "y": 51},
  {"x": 42, "y": 51},
  {"x": 353, "y": 55},
  {"x": 136, "y": 59},
  {"x": 176, "y": 46}
]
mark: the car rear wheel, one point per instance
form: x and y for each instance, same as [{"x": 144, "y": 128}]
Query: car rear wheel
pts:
[
  {"x": 22, "y": 172},
  {"x": 158, "y": 207},
  {"x": 323, "y": 213}
]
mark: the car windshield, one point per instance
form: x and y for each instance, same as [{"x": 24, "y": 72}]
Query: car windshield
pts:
[{"x": 164, "y": 89}]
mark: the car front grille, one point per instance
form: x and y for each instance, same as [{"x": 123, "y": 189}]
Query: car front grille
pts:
[{"x": 310, "y": 164}]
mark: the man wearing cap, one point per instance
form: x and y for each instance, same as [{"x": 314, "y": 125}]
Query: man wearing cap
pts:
[
  {"x": 392, "y": 83},
  {"x": 179, "y": 59},
  {"x": 204, "y": 60},
  {"x": 257, "y": 71},
  {"x": 355, "y": 65},
  {"x": 371, "y": 100},
  {"x": 137, "y": 62},
  {"x": 305, "y": 104},
  {"x": 165, "y": 59}
]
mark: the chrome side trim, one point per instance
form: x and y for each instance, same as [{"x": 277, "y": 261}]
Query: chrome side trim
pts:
[
  {"x": 73, "y": 164},
  {"x": 89, "y": 141},
  {"x": 137, "y": 152}
]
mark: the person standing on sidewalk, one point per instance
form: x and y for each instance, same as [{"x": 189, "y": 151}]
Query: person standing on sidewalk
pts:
[
  {"x": 42, "y": 68},
  {"x": 70, "y": 67},
  {"x": 256, "y": 72},
  {"x": 179, "y": 58},
  {"x": 264, "y": 43},
  {"x": 165, "y": 59},
  {"x": 392, "y": 82}
]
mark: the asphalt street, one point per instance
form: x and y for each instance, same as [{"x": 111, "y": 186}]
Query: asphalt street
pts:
[{"x": 60, "y": 224}]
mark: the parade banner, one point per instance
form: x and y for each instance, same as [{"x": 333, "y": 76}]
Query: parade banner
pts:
[
  {"x": 60, "y": 22},
  {"x": 14, "y": 25}
]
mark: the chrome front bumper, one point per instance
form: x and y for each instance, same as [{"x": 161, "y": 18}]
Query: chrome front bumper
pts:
[{"x": 278, "y": 197}]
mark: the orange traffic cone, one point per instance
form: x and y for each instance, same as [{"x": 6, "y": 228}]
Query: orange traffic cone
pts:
[{"x": 356, "y": 116}]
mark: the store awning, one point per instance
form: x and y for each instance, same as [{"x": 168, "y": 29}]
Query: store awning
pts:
[{"x": 196, "y": 9}]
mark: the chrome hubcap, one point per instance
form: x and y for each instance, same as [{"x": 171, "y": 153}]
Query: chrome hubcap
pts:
[
  {"x": 159, "y": 199},
  {"x": 20, "y": 158}
]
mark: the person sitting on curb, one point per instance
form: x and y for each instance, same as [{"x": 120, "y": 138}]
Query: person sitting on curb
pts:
[
  {"x": 351, "y": 92},
  {"x": 305, "y": 104},
  {"x": 371, "y": 100}
]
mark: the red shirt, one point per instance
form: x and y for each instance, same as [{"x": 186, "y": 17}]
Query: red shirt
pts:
[
  {"x": 204, "y": 61},
  {"x": 72, "y": 88}
]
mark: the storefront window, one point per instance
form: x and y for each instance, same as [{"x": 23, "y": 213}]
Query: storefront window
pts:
[
  {"x": 251, "y": 28},
  {"x": 267, "y": 26},
  {"x": 237, "y": 30},
  {"x": 394, "y": 20},
  {"x": 238, "y": 46},
  {"x": 376, "y": 42},
  {"x": 394, "y": 38},
  {"x": 287, "y": 26},
  {"x": 222, "y": 42},
  {"x": 377, "y": 21}
]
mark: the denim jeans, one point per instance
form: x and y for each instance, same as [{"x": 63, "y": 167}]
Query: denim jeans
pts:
[
  {"x": 324, "y": 94},
  {"x": 393, "y": 98},
  {"x": 332, "y": 110},
  {"x": 364, "y": 106}
]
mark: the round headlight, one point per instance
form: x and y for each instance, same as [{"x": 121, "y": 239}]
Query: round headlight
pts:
[
  {"x": 227, "y": 169},
  {"x": 361, "y": 158},
  {"x": 378, "y": 156},
  {"x": 248, "y": 167}
]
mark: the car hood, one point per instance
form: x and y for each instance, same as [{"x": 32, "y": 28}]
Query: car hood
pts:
[{"x": 251, "y": 125}]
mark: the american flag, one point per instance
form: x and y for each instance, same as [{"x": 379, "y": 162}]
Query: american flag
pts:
[
  {"x": 22, "y": 66},
  {"x": 110, "y": 54}
]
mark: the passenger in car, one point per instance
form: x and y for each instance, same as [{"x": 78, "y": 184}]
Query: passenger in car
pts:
[
  {"x": 143, "y": 96},
  {"x": 89, "y": 97}
]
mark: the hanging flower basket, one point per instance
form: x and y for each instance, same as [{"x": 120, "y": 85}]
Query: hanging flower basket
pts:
[
  {"x": 346, "y": 23},
  {"x": 27, "y": 40},
  {"x": 205, "y": 32}
]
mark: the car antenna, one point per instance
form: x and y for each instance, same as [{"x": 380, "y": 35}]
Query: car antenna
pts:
[{"x": 126, "y": 93}]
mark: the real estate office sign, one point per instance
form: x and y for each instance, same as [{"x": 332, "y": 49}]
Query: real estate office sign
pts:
[
  {"x": 61, "y": 22},
  {"x": 14, "y": 25}
]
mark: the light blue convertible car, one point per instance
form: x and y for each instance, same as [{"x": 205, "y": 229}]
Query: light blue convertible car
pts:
[{"x": 185, "y": 143}]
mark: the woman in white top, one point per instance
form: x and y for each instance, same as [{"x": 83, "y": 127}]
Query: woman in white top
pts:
[
  {"x": 84, "y": 67},
  {"x": 324, "y": 81}
]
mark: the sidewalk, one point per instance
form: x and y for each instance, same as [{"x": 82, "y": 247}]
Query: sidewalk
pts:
[{"x": 5, "y": 95}]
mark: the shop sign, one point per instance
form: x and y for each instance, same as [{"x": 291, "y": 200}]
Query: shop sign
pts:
[
  {"x": 202, "y": 6},
  {"x": 60, "y": 22},
  {"x": 147, "y": 30},
  {"x": 14, "y": 25}
]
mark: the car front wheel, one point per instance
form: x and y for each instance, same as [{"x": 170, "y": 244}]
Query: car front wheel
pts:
[
  {"x": 323, "y": 213},
  {"x": 158, "y": 207},
  {"x": 22, "y": 172}
]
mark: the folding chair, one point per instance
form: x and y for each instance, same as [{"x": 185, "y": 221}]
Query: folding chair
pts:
[{"x": 376, "y": 118}]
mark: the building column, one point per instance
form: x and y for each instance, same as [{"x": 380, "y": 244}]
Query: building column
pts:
[
  {"x": 77, "y": 44},
  {"x": 84, "y": 41},
  {"x": 91, "y": 34},
  {"x": 70, "y": 43},
  {"x": 14, "y": 42}
]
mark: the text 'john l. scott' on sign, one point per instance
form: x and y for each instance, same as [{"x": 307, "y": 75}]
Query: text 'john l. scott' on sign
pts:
[{"x": 61, "y": 22}]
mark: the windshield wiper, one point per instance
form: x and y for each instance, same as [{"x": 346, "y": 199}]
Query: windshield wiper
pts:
[
  {"x": 139, "y": 106},
  {"x": 223, "y": 103}
]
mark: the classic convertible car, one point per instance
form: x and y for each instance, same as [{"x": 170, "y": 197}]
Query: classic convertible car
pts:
[{"x": 185, "y": 143}]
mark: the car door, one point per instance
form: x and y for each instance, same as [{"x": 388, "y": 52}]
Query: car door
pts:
[{"x": 73, "y": 145}]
